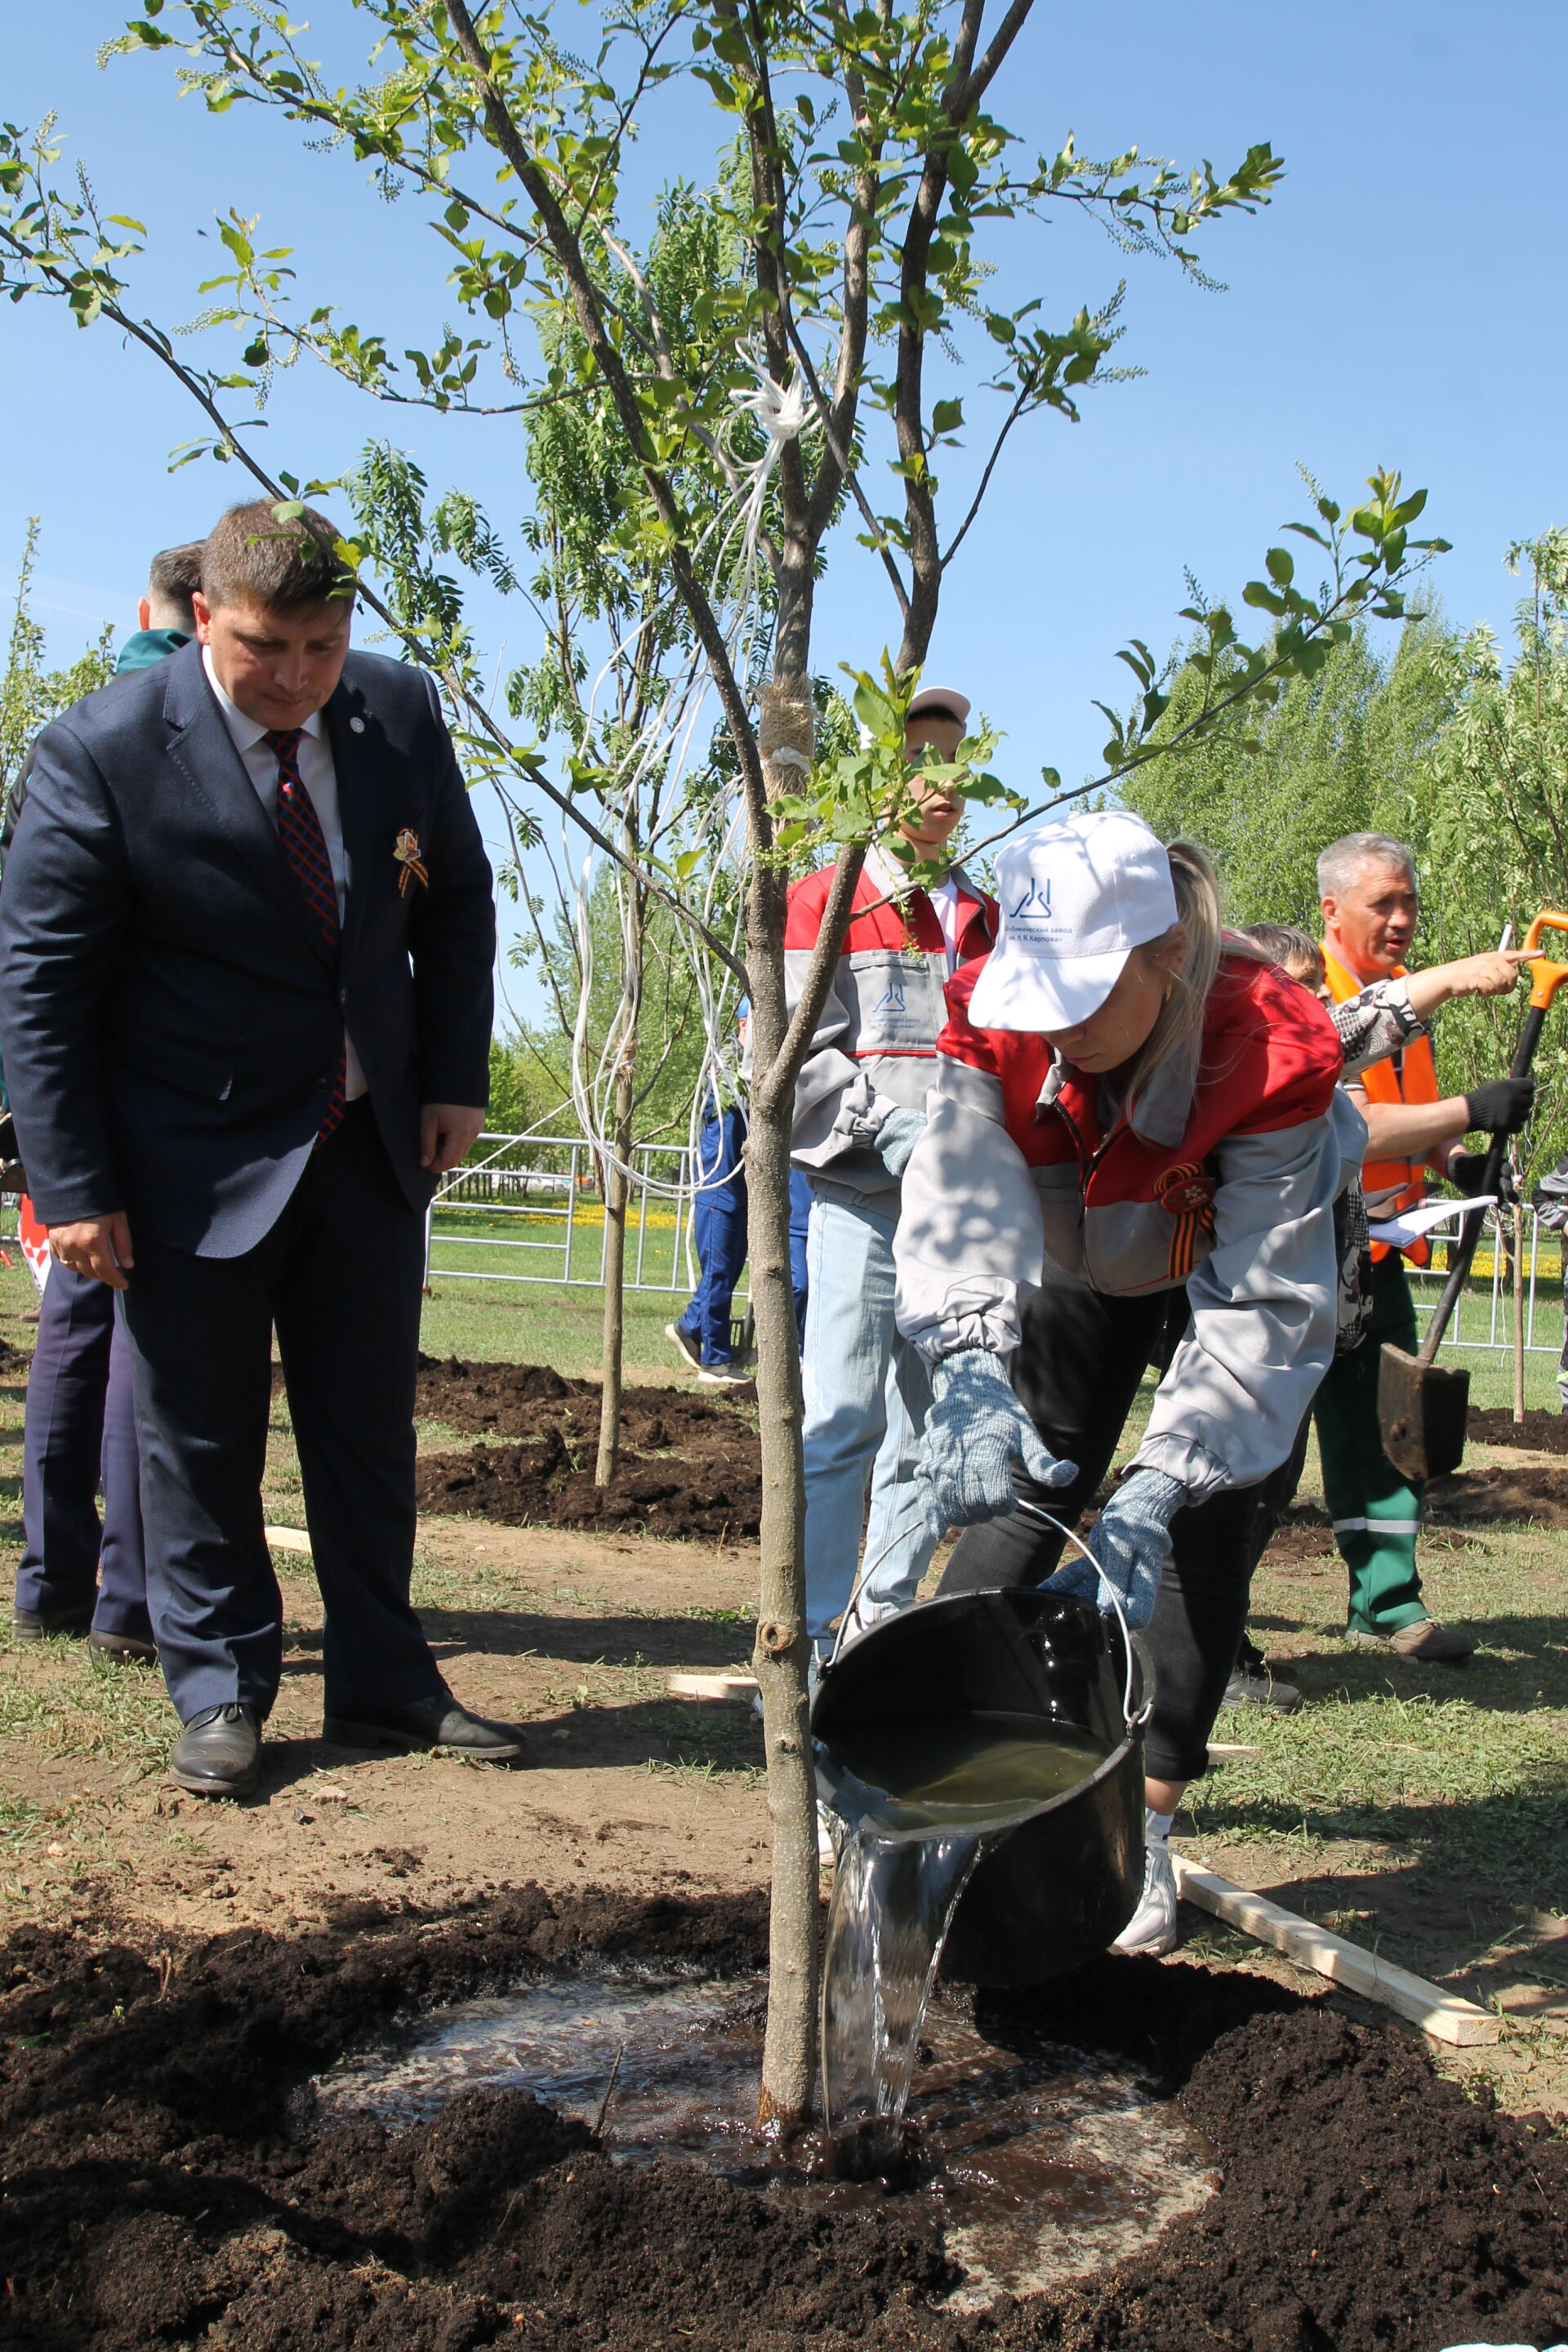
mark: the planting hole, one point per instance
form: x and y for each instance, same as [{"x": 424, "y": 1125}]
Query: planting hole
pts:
[{"x": 1037, "y": 2162}]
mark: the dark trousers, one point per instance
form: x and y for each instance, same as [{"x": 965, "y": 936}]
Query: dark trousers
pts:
[
  {"x": 80, "y": 1424},
  {"x": 1077, "y": 1371},
  {"x": 339, "y": 1277}
]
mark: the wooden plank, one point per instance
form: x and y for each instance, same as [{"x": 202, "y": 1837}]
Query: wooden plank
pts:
[
  {"x": 287, "y": 1540},
  {"x": 1437, "y": 2013},
  {"x": 712, "y": 1686},
  {"x": 1220, "y": 1748}
]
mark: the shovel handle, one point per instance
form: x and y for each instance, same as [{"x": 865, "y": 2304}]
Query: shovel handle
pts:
[
  {"x": 1524, "y": 1054},
  {"x": 1546, "y": 977}
]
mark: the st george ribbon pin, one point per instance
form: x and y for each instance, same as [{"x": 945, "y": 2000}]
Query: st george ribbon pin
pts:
[{"x": 405, "y": 849}]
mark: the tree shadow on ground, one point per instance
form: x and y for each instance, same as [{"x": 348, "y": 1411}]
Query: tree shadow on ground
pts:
[
  {"x": 592, "y": 1641},
  {"x": 1521, "y": 1665}
]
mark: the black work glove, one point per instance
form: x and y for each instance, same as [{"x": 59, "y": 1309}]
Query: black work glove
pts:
[
  {"x": 1501, "y": 1107},
  {"x": 1465, "y": 1170}
]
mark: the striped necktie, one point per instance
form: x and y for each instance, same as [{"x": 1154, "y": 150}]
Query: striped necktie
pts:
[{"x": 305, "y": 848}]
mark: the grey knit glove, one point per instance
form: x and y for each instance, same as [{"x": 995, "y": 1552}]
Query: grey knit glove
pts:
[
  {"x": 975, "y": 1431},
  {"x": 1131, "y": 1543},
  {"x": 896, "y": 1138}
]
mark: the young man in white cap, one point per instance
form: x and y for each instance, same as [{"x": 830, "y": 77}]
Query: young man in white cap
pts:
[
  {"x": 857, "y": 1112},
  {"x": 1127, "y": 1102}
]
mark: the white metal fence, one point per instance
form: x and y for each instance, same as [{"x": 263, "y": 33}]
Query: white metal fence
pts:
[
  {"x": 1484, "y": 1316},
  {"x": 530, "y": 1209}
]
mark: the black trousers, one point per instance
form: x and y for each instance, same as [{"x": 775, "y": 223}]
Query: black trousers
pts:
[
  {"x": 80, "y": 1425},
  {"x": 339, "y": 1276},
  {"x": 1076, "y": 1372}
]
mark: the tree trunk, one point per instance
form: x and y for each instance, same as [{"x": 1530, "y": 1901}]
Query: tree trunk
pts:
[
  {"x": 617, "y": 1191},
  {"x": 780, "y": 1658}
]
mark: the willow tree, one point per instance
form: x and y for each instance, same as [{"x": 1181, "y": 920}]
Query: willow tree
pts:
[{"x": 861, "y": 174}]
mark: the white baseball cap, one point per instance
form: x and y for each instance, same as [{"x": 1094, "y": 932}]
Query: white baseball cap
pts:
[
  {"x": 943, "y": 698},
  {"x": 1075, "y": 898}
]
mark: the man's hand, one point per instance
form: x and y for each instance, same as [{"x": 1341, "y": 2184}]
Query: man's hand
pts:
[
  {"x": 1500, "y": 1107},
  {"x": 96, "y": 1245},
  {"x": 1492, "y": 974},
  {"x": 447, "y": 1133}
]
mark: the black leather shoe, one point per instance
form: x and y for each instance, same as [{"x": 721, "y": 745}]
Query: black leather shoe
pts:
[
  {"x": 120, "y": 1646},
  {"x": 218, "y": 1754},
  {"x": 438, "y": 1722},
  {"x": 44, "y": 1625}
]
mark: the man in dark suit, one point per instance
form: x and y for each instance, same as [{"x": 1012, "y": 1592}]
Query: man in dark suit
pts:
[{"x": 247, "y": 936}]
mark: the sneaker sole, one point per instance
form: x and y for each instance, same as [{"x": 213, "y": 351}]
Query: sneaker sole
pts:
[{"x": 337, "y": 1731}]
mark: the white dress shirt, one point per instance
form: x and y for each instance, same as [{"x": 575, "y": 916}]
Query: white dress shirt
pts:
[
  {"x": 320, "y": 779},
  {"x": 943, "y": 896}
]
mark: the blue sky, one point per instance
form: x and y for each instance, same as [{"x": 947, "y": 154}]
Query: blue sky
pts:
[{"x": 1400, "y": 302}]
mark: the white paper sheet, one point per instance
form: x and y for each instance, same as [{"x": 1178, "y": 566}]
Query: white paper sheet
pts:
[{"x": 1399, "y": 1231}]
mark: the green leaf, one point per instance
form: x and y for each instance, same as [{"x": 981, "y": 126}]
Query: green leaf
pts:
[{"x": 947, "y": 416}]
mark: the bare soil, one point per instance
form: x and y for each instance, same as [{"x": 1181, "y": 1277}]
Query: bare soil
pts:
[
  {"x": 1499, "y": 1492},
  {"x": 156, "y": 2194},
  {"x": 687, "y": 1466},
  {"x": 1539, "y": 1432}
]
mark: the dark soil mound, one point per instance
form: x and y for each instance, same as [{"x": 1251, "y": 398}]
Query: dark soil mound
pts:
[
  {"x": 1540, "y": 1433},
  {"x": 687, "y": 1466},
  {"x": 155, "y": 2195},
  {"x": 1500, "y": 1493}
]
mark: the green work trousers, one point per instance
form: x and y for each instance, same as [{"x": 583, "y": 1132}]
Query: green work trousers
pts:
[{"x": 1375, "y": 1512}]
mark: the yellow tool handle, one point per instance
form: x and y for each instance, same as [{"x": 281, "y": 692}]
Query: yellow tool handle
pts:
[{"x": 1546, "y": 977}]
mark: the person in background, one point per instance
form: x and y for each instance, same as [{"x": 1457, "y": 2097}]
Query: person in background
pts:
[
  {"x": 1549, "y": 1202},
  {"x": 77, "y": 1576},
  {"x": 246, "y": 951},
  {"x": 858, "y": 1114},
  {"x": 703, "y": 1336},
  {"x": 1370, "y": 906},
  {"x": 1372, "y": 1025}
]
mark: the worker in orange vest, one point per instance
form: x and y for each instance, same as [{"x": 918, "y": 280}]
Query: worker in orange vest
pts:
[{"x": 1370, "y": 906}]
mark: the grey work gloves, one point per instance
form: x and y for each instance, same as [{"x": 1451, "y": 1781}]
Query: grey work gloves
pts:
[
  {"x": 896, "y": 1138},
  {"x": 1131, "y": 1543},
  {"x": 975, "y": 1431}
]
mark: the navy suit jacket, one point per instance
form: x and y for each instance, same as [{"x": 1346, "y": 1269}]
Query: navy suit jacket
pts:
[{"x": 171, "y": 1018}]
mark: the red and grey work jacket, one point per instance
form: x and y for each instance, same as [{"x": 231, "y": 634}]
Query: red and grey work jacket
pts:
[
  {"x": 875, "y": 1046},
  {"x": 1223, "y": 1179}
]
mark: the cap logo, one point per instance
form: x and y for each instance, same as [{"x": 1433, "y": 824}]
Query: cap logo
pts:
[{"x": 1033, "y": 897}]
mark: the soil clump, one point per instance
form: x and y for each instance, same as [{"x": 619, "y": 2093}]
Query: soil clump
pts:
[
  {"x": 158, "y": 2190},
  {"x": 1499, "y": 1492},
  {"x": 689, "y": 1466},
  {"x": 1539, "y": 1432}
]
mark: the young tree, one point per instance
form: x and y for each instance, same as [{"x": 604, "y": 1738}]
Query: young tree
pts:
[
  {"x": 30, "y": 695},
  {"x": 870, "y": 173}
]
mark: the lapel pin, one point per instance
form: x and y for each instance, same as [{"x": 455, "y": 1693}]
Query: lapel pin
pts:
[
  {"x": 356, "y": 725},
  {"x": 405, "y": 850}
]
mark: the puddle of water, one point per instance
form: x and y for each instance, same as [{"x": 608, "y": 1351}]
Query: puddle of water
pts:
[{"x": 1038, "y": 2163}]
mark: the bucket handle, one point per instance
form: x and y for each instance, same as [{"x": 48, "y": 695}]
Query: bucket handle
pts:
[{"x": 1132, "y": 1722}]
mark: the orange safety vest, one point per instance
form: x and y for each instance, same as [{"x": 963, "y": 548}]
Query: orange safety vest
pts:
[{"x": 1416, "y": 1082}]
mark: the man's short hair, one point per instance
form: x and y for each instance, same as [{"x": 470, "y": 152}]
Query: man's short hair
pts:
[
  {"x": 1339, "y": 865},
  {"x": 250, "y": 558},
  {"x": 173, "y": 577}
]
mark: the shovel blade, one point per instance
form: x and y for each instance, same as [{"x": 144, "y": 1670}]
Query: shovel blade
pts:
[{"x": 1421, "y": 1414}]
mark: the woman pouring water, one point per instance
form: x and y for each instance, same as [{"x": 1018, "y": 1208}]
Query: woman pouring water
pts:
[{"x": 1129, "y": 1103}]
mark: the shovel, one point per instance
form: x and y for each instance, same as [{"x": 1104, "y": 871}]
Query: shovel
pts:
[{"x": 1422, "y": 1408}]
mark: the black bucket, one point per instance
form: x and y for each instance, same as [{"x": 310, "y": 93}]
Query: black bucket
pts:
[{"x": 1056, "y": 1889}]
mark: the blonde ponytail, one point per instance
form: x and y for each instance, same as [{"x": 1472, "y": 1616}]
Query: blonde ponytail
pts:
[{"x": 1179, "y": 1028}]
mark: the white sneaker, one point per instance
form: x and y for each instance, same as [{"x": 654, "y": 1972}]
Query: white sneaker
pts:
[{"x": 1152, "y": 1926}]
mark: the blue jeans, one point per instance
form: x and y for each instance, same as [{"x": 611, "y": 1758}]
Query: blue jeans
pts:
[
  {"x": 867, "y": 1395},
  {"x": 719, "y": 1230},
  {"x": 800, "y": 1197}
]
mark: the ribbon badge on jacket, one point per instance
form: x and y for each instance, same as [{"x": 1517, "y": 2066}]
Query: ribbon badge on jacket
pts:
[
  {"x": 1185, "y": 1193},
  {"x": 405, "y": 849}
]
